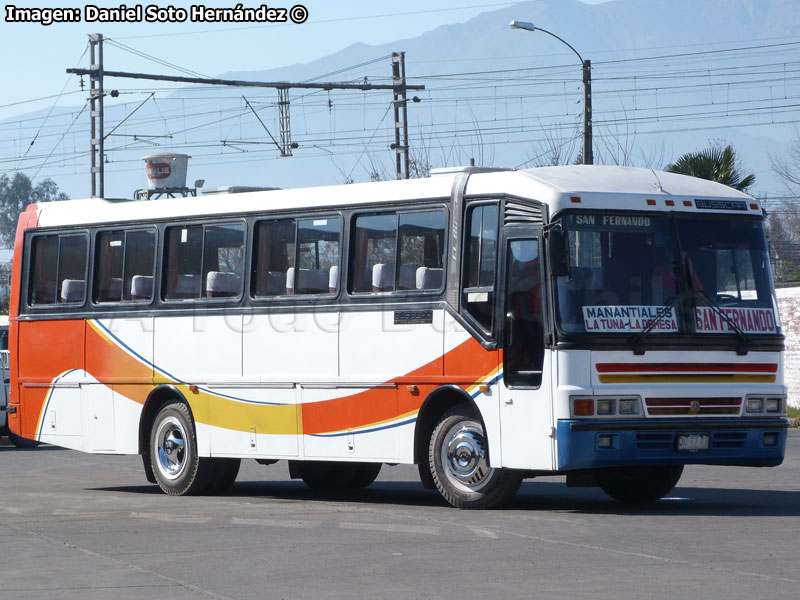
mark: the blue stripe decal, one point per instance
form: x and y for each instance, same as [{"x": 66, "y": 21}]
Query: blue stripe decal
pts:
[
  {"x": 128, "y": 348},
  {"x": 492, "y": 381},
  {"x": 176, "y": 379},
  {"x": 381, "y": 428},
  {"x": 47, "y": 402}
]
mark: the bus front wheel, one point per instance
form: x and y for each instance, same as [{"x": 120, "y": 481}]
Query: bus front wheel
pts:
[
  {"x": 173, "y": 453},
  {"x": 459, "y": 463},
  {"x": 639, "y": 484}
]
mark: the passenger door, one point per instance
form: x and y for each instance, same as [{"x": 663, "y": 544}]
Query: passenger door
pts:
[{"x": 525, "y": 399}]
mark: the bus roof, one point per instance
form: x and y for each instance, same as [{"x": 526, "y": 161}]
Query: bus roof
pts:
[{"x": 579, "y": 186}]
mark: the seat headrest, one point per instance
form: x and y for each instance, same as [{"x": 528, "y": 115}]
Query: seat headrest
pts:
[
  {"x": 72, "y": 290},
  {"x": 141, "y": 286},
  {"x": 222, "y": 282}
]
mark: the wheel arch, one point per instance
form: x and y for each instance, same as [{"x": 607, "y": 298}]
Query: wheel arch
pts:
[
  {"x": 438, "y": 402},
  {"x": 156, "y": 399}
]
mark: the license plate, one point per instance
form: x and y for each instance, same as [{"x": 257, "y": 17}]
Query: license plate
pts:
[{"x": 692, "y": 442}]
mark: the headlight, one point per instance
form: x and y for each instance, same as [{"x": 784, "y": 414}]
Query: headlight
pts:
[
  {"x": 773, "y": 405},
  {"x": 755, "y": 405},
  {"x": 605, "y": 406}
]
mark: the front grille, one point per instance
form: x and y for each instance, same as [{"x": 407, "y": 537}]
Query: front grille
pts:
[
  {"x": 653, "y": 440},
  {"x": 670, "y": 407},
  {"x": 728, "y": 439},
  {"x": 662, "y": 440}
]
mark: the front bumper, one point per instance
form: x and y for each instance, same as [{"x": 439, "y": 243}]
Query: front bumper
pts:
[{"x": 642, "y": 442}]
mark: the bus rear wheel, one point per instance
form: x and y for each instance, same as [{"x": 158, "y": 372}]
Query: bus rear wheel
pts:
[
  {"x": 459, "y": 463},
  {"x": 365, "y": 475},
  {"x": 639, "y": 484},
  {"x": 336, "y": 476},
  {"x": 176, "y": 465},
  {"x": 224, "y": 474},
  {"x": 326, "y": 475}
]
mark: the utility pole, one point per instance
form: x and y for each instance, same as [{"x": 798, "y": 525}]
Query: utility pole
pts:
[
  {"x": 586, "y": 66},
  {"x": 97, "y": 72},
  {"x": 588, "y": 153},
  {"x": 97, "y": 146},
  {"x": 400, "y": 114}
]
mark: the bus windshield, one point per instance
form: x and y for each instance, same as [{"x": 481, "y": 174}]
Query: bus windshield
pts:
[
  {"x": 730, "y": 275},
  {"x": 627, "y": 273}
]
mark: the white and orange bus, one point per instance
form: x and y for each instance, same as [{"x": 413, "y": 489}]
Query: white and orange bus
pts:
[{"x": 609, "y": 324}]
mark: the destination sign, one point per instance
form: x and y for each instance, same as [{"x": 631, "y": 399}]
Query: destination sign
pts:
[
  {"x": 628, "y": 319},
  {"x": 748, "y": 320},
  {"x": 720, "y": 204},
  {"x": 611, "y": 222}
]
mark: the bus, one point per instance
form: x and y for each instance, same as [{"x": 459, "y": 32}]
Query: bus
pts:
[{"x": 609, "y": 324}]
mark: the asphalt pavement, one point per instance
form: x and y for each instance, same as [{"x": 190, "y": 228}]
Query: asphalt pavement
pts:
[{"x": 81, "y": 526}]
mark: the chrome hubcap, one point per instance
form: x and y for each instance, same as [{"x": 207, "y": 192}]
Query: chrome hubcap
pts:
[
  {"x": 171, "y": 448},
  {"x": 464, "y": 455}
]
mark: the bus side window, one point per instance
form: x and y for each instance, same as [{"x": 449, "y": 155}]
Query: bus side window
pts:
[
  {"x": 296, "y": 257},
  {"x": 120, "y": 257},
  {"x": 317, "y": 254},
  {"x": 480, "y": 263},
  {"x": 58, "y": 269},
  {"x": 183, "y": 262},
  {"x": 223, "y": 260},
  {"x": 109, "y": 256},
  {"x": 140, "y": 263},
  {"x": 373, "y": 257},
  {"x": 44, "y": 270},
  {"x": 273, "y": 256},
  {"x": 421, "y": 251}
]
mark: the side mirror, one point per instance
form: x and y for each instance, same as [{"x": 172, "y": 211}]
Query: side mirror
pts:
[{"x": 557, "y": 253}]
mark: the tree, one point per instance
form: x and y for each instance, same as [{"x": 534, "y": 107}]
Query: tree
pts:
[
  {"x": 784, "y": 220},
  {"x": 15, "y": 194},
  {"x": 715, "y": 163}
]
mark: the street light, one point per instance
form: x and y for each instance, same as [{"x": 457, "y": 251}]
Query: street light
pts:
[{"x": 588, "y": 155}]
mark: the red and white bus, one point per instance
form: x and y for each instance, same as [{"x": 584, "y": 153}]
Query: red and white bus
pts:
[{"x": 609, "y": 324}]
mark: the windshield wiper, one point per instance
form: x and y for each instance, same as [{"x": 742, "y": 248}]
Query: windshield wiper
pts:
[
  {"x": 662, "y": 312},
  {"x": 744, "y": 348}
]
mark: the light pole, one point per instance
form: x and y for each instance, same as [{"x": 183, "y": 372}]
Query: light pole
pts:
[{"x": 588, "y": 155}]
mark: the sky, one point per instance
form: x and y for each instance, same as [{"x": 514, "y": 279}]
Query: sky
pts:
[{"x": 41, "y": 54}]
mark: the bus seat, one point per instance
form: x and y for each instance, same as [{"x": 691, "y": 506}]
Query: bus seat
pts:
[
  {"x": 141, "y": 287},
  {"x": 333, "y": 279},
  {"x": 429, "y": 279},
  {"x": 275, "y": 285},
  {"x": 290, "y": 281},
  {"x": 222, "y": 284},
  {"x": 366, "y": 281},
  {"x": 407, "y": 279},
  {"x": 114, "y": 289},
  {"x": 382, "y": 277},
  {"x": 187, "y": 286},
  {"x": 72, "y": 290},
  {"x": 312, "y": 281}
]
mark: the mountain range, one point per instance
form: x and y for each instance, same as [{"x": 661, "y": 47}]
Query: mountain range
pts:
[{"x": 668, "y": 77}]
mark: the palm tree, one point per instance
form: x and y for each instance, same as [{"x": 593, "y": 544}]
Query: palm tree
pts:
[{"x": 715, "y": 163}]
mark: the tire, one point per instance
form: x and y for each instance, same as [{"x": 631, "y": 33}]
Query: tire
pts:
[
  {"x": 639, "y": 484},
  {"x": 224, "y": 475},
  {"x": 327, "y": 476},
  {"x": 459, "y": 463},
  {"x": 365, "y": 475},
  {"x": 21, "y": 442},
  {"x": 176, "y": 465}
]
